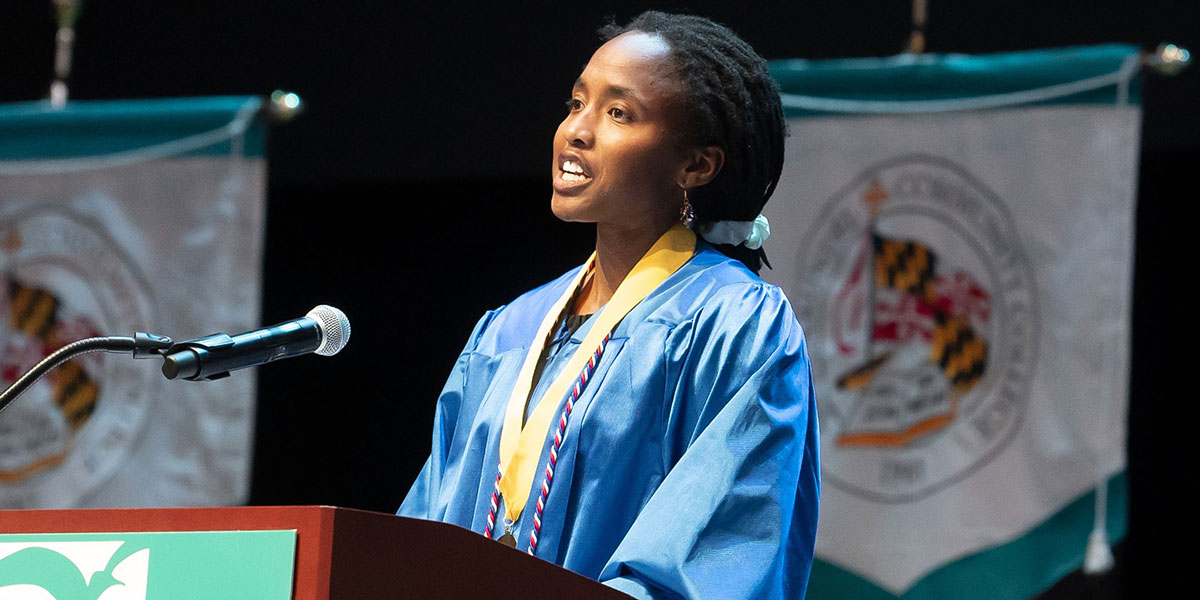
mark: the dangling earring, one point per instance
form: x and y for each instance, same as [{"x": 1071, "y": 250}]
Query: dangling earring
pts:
[{"x": 686, "y": 215}]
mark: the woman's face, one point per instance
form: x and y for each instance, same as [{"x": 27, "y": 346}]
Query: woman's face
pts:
[{"x": 617, "y": 161}]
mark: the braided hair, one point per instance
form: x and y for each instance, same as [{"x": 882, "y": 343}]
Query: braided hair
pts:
[{"x": 730, "y": 101}]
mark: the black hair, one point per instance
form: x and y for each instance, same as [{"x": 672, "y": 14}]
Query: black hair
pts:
[{"x": 730, "y": 101}]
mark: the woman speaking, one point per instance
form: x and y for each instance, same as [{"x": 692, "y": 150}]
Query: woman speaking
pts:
[{"x": 647, "y": 419}]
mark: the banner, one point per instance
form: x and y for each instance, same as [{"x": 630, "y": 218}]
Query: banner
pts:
[
  {"x": 956, "y": 235},
  {"x": 116, "y": 217}
]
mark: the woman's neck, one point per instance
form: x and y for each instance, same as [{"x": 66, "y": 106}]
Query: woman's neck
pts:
[{"x": 617, "y": 251}]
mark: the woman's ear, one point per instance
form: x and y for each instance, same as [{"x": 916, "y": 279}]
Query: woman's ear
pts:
[{"x": 703, "y": 165}]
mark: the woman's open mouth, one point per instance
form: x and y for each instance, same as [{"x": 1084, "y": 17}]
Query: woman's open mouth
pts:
[{"x": 571, "y": 175}]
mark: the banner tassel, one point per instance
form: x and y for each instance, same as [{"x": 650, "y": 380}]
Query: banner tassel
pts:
[{"x": 1098, "y": 558}]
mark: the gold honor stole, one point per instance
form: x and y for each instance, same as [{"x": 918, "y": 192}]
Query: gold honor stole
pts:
[{"x": 520, "y": 447}]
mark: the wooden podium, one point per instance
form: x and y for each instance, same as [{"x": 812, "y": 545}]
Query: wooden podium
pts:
[{"x": 348, "y": 554}]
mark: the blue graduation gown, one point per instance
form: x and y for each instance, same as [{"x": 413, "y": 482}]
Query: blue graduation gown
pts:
[{"x": 690, "y": 463}]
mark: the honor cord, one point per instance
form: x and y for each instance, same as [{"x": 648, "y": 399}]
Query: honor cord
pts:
[{"x": 563, "y": 419}]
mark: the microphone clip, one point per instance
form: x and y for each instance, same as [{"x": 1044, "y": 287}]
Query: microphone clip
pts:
[
  {"x": 182, "y": 360},
  {"x": 150, "y": 345}
]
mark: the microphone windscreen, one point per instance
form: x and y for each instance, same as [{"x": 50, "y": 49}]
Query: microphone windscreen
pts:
[{"x": 335, "y": 329}]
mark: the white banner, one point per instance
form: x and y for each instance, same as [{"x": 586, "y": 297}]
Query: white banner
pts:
[
  {"x": 167, "y": 239},
  {"x": 964, "y": 282}
]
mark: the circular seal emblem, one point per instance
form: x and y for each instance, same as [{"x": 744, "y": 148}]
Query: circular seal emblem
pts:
[
  {"x": 62, "y": 279},
  {"x": 921, "y": 311}
]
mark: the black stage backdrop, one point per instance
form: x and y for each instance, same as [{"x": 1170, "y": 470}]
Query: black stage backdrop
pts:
[{"x": 413, "y": 194}]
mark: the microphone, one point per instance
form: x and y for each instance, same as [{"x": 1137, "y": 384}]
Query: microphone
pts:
[{"x": 324, "y": 330}]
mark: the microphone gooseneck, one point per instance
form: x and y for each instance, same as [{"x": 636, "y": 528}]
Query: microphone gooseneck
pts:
[{"x": 141, "y": 345}]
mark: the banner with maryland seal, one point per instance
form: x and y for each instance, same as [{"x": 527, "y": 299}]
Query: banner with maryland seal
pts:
[
  {"x": 117, "y": 217},
  {"x": 956, "y": 235}
]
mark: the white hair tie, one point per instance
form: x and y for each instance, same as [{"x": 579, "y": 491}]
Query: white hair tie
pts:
[{"x": 750, "y": 234}]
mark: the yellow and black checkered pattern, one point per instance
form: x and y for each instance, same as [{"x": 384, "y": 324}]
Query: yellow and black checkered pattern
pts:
[
  {"x": 960, "y": 353},
  {"x": 905, "y": 266},
  {"x": 34, "y": 312},
  {"x": 75, "y": 393}
]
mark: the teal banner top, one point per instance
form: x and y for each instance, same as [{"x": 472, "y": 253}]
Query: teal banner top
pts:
[
  {"x": 923, "y": 83},
  {"x": 138, "y": 129}
]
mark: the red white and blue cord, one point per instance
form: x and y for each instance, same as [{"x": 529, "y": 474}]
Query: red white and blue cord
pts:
[{"x": 564, "y": 418}]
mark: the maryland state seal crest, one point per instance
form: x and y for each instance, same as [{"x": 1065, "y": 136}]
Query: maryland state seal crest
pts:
[
  {"x": 62, "y": 279},
  {"x": 922, "y": 306}
]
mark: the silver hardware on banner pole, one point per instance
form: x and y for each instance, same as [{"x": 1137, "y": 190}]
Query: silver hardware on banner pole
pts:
[
  {"x": 283, "y": 106},
  {"x": 916, "y": 39},
  {"x": 64, "y": 42},
  {"x": 1167, "y": 59}
]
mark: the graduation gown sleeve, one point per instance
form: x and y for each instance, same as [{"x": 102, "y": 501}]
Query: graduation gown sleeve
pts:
[{"x": 736, "y": 514}]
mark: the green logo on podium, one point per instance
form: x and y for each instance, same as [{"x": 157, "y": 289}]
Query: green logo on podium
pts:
[{"x": 148, "y": 566}]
